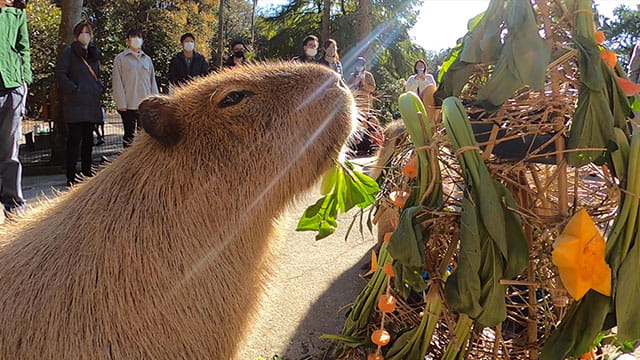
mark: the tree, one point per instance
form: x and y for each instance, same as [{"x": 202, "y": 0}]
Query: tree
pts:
[{"x": 622, "y": 31}]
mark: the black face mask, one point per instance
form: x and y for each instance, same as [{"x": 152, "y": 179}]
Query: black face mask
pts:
[{"x": 238, "y": 54}]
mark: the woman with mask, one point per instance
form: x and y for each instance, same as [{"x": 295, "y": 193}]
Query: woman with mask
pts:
[
  {"x": 331, "y": 57},
  {"x": 237, "y": 56},
  {"x": 363, "y": 85},
  {"x": 420, "y": 80},
  {"x": 133, "y": 79},
  {"x": 77, "y": 72},
  {"x": 187, "y": 64},
  {"x": 309, "y": 50}
]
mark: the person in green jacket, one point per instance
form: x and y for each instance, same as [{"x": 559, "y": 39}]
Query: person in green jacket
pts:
[{"x": 15, "y": 74}]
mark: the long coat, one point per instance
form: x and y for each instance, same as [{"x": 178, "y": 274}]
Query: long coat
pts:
[{"x": 80, "y": 91}]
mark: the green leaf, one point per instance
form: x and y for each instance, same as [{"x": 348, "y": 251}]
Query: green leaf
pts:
[{"x": 349, "y": 188}]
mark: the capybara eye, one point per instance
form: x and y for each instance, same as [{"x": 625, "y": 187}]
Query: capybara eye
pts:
[{"x": 234, "y": 98}]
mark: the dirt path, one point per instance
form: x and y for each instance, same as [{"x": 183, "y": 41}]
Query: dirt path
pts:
[{"x": 310, "y": 290}]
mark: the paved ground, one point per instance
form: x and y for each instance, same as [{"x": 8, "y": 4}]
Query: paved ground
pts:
[{"x": 312, "y": 284}]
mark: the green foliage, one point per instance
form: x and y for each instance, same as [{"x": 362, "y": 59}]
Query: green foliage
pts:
[
  {"x": 43, "y": 20},
  {"x": 622, "y": 31},
  {"x": 344, "y": 188}
]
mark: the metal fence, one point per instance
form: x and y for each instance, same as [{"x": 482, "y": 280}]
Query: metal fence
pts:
[{"x": 37, "y": 139}]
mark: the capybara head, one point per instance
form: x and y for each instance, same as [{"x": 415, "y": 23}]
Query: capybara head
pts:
[{"x": 283, "y": 118}]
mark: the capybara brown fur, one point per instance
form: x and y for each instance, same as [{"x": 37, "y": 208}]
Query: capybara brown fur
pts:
[{"x": 162, "y": 254}]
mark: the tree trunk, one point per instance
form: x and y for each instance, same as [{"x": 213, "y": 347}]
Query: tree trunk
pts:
[
  {"x": 364, "y": 28},
  {"x": 326, "y": 18},
  {"x": 71, "y": 15},
  {"x": 221, "y": 33},
  {"x": 253, "y": 21}
]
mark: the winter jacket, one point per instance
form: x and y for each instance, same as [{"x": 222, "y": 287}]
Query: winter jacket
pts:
[
  {"x": 133, "y": 79},
  {"x": 180, "y": 73},
  {"x": 80, "y": 91},
  {"x": 15, "y": 54}
]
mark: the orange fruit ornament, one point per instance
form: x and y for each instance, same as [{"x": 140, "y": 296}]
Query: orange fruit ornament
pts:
[
  {"x": 411, "y": 169},
  {"x": 388, "y": 269},
  {"x": 600, "y": 38},
  {"x": 387, "y": 303},
  {"x": 375, "y": 357},
  {"x": 609, "y": 57},
  {"x": 380, "y": 337}
]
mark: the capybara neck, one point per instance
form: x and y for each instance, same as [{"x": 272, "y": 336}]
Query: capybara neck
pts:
[{"x": 162, "y": 254}]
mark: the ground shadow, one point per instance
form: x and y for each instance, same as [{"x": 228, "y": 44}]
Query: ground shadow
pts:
[{"x": 326, "y": 316}]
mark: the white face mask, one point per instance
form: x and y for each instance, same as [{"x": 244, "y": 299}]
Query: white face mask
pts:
[
  {"x": 84, "y": 39},
  {"x": 420, "y": 70},
  {"x": 136, "y": 42},
  {"x": 311, "y": 52},
  {"x": 331, "y": 52},
  {"x": 189, "y": 45}
]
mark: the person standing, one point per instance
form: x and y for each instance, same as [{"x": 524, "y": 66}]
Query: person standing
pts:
[
  {"x": 188, "y": 63},
  {"x": 15, "y": 74},
  {"x": 331, "y": 57},
  {"x": 363, "y": 85},
  {"x": 309, "y": 50},
  {"x": 77, "y": 72},
  {"x": 133, "y": 79},
  {"x": 237, "y": 56}
]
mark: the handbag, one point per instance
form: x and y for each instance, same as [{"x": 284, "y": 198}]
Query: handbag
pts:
[{"x": 103, "y": 112}]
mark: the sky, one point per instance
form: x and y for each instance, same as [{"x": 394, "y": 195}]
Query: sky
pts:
[
  {"x": 452, "y": 15},
  {"x": 442, "y": 22}
]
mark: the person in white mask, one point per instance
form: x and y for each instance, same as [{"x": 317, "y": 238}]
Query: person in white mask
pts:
[
  {"x": 133, "y": 79},
  {"x": 331, "y": 57},
  {"x": 187, "y": 64},
  {"x": 309, "y": 50},
  {"x": 363, "y": 84},
  {"x": 420, "y": 80},
  {"x": 78, "y": 76}
]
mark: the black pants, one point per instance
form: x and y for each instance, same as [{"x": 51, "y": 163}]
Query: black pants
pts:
[
  {"x": 130, "y": 124},
  {"x": 80, "y": 138}
]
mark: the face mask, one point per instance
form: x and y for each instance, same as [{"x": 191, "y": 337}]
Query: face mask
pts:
[
  {"x": 84, "y": 39},
  {"x": 331, "y": 52},
  {"x": 189, "y": 45},
  {"x": 359, "y": 68},
  {"x": 311, "y": 52},
  {"x": 238, "y": 54},
  {"x": 136, "y": 42},
  {"x": 420, "y": 70}
]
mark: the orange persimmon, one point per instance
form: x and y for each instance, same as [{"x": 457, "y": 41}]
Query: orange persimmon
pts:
[
  {"x": 411, "y": 169},
  {"x": 387, "y": 303},
  {"x": 628, "y": 87},
  {"x": 600, "y": 38},
  {"x": 579, "y": 255},
  {"x": 609, "y": 57},
  {"x": 388, "y": 269},
  {"x": 380, "y": 337}
]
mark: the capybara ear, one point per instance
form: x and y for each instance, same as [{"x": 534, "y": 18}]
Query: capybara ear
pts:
[{"x": 157, "y": 117}]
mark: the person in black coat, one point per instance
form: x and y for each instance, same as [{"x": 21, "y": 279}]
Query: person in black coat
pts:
[
  {"x": 237, "y": 56},
  {"x": 77, "y": 72},
  {"x": 187, "y": 64}
]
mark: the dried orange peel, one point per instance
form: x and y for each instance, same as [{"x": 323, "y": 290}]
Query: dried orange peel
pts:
[{"x": 579, "y": 255}]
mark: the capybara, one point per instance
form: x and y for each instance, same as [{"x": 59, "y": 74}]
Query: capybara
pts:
[{"x": 162, "y": 254}]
